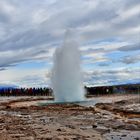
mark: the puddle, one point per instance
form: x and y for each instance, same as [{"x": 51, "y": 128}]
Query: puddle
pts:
[{"x": 123, "y": 135}]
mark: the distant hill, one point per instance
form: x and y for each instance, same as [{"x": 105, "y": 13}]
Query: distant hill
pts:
[
  {"x": 10, "y": 86},
  {"x": 117, "y": 85}
]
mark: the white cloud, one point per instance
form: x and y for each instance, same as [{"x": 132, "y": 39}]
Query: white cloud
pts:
[
  {"x": 31, "y": 30},
  {"x": 131, "y": 59},
  {"x": 25, "y": 77},
  {"x": 110, "y": 77}
]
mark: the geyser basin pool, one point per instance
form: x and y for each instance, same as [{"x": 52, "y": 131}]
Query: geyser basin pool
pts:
[
  {"x": 63, "y": 103},
  {"x": 66, "y": 73}
]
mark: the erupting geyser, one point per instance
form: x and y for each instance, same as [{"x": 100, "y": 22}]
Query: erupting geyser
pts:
[{"x": 66, "y": 73}]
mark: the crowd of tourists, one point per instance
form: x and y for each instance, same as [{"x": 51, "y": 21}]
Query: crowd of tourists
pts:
[
  {"x": 25, "y": 91},
  {"x": 104, "y": 90}
]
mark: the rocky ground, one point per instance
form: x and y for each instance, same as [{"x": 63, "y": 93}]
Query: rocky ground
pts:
[{"x": 22, "y": 120}]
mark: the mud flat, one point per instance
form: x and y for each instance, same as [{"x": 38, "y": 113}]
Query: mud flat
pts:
[{"x": 118, "y": 120}]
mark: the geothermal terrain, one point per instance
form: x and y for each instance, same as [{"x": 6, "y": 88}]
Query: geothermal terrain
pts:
[{"x": 99, "y": 118}]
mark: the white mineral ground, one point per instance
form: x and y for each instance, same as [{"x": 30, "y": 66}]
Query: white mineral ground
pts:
[
  {"x": 112, "y": 118},
  {"x": 88, "y": 102}
]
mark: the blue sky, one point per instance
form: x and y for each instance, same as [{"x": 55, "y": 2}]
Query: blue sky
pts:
[{"x": 108, "y": 33}]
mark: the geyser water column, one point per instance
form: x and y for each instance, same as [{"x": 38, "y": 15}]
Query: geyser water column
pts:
[{"x": 66, "y": 73}]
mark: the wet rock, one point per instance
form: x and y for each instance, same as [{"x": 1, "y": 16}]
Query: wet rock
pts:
[
  {"x": 137, "y": 138},
  {"x": 131, "y": 127},
  {"x": 77, "y": 138},
  {"x": 118, "y": 126},
  {"x": 58, "y": 129},
  {"x": 121, "y": 102},
  {"x": 2, "y": 107},
  {"x": 94, "y": 126},
  {"x": 104, "y": 106},
  {"x": 123, "y": 135},
  {"x": 70, "y": 126},
  {"x": 100, "y": 105},
  {"x": 103, "y": 130},
  {"x": 2, "y": 121}
]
